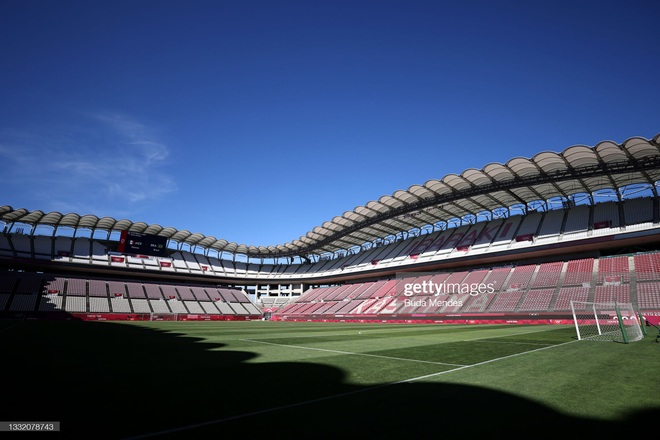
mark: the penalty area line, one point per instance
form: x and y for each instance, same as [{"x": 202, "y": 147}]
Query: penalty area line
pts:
[
  {"x": 482, "y": 363},
  {"x": 330, "y": 397},
  {"x": 486, "y": 341},
  {"x": 351, "y": 353}
]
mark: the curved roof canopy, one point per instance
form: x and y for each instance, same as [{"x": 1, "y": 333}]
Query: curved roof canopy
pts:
[{"x": 547, "y": 175}]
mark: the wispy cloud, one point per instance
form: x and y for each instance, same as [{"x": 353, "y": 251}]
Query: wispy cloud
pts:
[{"x": 109, "y": 165}]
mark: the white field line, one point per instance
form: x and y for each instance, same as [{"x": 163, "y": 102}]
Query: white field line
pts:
[
  {"x": 483, "y": 363},
  {"x": 386, "y": 331},
  {"x": 509, "y": 342},
  {"x": 333, "y": 396},
  {"x": 506, "y": 335},
  {"x": 351, "y": 353}
]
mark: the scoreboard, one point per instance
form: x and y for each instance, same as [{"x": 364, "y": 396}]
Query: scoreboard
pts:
[{"x": 139, "y": 243}]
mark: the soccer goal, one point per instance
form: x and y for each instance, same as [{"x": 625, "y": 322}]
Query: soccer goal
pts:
[
  {"x": 164, "y": 317},
  {"x": 606, "y": 321}
]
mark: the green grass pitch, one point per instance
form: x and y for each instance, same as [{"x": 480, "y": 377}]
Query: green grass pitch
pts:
[{"x": 175, "y": 380}]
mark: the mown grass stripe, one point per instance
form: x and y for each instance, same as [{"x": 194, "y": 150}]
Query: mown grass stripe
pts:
[{"x": 333, "y": 396}]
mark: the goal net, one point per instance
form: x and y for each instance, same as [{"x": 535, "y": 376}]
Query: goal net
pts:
[
  {"x": 606, "y": 321},
  {"x": 164, "y": 317}
]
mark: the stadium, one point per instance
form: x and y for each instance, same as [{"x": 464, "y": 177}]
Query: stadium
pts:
[{"x": 365, "y": 324}]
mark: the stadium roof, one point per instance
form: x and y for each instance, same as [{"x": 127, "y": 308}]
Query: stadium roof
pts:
[{"x": 520, "y": 181}]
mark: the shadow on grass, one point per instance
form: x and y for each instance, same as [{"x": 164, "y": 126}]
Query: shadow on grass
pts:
[{"x": 118, "y": 381}]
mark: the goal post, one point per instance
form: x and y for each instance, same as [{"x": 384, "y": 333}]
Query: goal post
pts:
[
  {"x": 163, "y": 316},
  {"x": 610, "y": 321}
]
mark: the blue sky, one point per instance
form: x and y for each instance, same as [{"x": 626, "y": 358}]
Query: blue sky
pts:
[{"x": 255, "y": 121}]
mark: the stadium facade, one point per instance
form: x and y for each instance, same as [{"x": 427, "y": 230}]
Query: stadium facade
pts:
[{"x": 529, "y": 235}]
